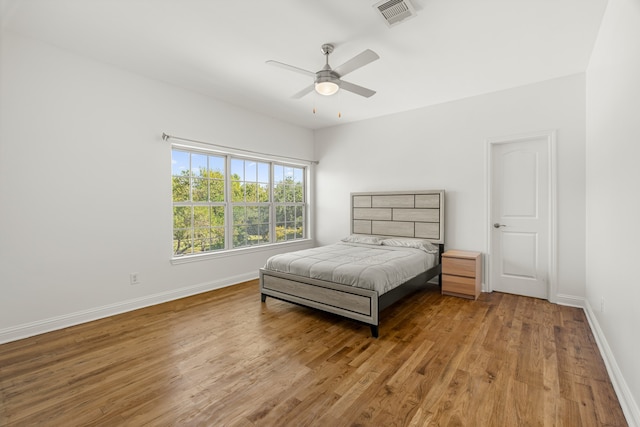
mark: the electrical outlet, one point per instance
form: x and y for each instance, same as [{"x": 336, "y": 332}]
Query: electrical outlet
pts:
[{"x": 134, "y": 278}]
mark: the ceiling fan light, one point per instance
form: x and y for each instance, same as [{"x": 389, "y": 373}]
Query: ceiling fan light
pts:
[{"x": 326, "y": 88}]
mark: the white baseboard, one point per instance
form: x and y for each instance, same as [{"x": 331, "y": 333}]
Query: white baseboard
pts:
[
  {"x": 628, "y": 404},
  {"x": 570, "y": 300},
  {"x": 26, "y": 330}
]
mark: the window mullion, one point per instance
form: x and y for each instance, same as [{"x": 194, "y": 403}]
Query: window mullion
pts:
[
  {"x": 272, "y": 206},
  {"x": 228, "y": 211}
]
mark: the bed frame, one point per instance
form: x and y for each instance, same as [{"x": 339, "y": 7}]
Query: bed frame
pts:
[{"x": 417, "y": 214}]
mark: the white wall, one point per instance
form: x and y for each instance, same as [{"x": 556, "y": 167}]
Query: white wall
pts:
[
  {"x": 443, "y": 147},
  {"x": 613, "y": 196},
  {"x": 85, "y": 190}
]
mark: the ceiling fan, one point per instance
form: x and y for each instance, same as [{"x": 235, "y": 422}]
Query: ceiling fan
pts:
[{"x": 327, "y": 81}]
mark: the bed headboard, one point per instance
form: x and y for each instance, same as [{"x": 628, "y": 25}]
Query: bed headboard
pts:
[{"x": 399, "y": 213}]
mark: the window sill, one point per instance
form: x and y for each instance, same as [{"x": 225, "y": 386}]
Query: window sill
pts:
[{"x": 237, "y": 252}]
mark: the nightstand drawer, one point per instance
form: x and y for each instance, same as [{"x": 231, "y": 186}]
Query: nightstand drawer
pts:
[
  {"x": 459, "y": 266},
  {"x": 459, "y": 285}
]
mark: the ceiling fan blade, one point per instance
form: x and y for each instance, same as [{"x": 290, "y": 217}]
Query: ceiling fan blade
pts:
[
  {"x": 358, "y": 90},
  {"x": 304, "y": 91},
  {"x": 292, "y": 68},
  {"x": 356, "y": 62}
]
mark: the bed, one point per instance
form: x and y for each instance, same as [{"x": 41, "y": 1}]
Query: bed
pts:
[{"x": 402, "y": 229}]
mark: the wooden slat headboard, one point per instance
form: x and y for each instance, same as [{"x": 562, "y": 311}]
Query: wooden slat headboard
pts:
[{"x": 417, "y": 214}]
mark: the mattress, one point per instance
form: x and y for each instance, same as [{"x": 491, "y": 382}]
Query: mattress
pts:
[{"x": 374, "y": 267}]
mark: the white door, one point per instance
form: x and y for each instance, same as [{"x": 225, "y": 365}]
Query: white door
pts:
[{"x": 520, "y": 216}]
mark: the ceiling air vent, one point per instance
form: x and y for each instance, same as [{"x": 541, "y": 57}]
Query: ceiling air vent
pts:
[{"x": 395, "y": 11}]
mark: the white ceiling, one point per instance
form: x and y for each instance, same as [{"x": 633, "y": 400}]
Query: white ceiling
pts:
[{"x": 452, "y": 49}]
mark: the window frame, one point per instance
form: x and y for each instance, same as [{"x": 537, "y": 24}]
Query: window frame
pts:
[
  {"x": 229, "y": 205},
  {"x": 245, "y": 203},
  {"x": 288, "y": 204}
]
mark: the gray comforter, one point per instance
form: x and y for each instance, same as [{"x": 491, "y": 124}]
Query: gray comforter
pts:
[{"x": 374, "y": 267}]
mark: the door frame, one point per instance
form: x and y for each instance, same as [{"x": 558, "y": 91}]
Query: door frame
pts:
[{"x": 552, "y": 250}]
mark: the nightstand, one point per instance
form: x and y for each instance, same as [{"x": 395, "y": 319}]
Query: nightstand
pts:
[{"x": 462, "y": 273}]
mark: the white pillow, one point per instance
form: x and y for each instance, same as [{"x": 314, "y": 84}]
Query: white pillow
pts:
[
  {"x": 408, "y": 242},
  {"x": 361, "y": 238}
]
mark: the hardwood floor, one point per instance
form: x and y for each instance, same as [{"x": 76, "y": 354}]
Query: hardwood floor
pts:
[{"x": 225, "y": 358}]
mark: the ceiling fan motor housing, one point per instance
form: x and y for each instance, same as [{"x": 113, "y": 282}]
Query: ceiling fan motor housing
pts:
[{"x": 327, "y": 76}]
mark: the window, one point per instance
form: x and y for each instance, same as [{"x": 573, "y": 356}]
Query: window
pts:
[
  {"x": 288, "y": 194},
  {"x": 250, "y": 202},
  {"x": 198, "y": 182},
  {"x": 223, "y": 202}
]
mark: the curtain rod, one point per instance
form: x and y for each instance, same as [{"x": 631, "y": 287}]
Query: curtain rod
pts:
[{"x": 166, "y": 137}]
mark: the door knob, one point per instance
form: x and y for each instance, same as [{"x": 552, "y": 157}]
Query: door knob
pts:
[{"x": 497, "y": 225}]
